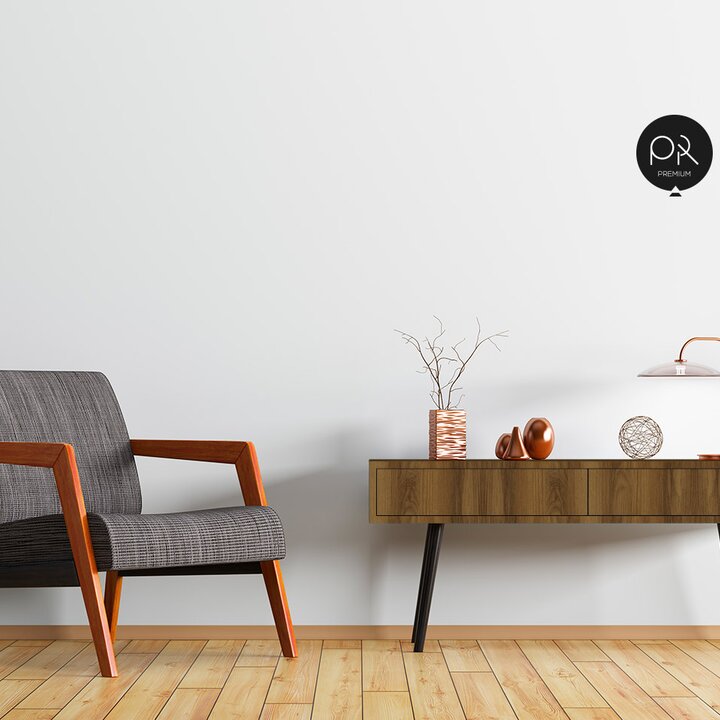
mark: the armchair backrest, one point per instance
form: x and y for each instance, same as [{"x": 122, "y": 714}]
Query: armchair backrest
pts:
[{"x": 79, "y": 408}]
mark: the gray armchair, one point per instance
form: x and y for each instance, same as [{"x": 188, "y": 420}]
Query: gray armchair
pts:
[{"x": 70, "y": 504}]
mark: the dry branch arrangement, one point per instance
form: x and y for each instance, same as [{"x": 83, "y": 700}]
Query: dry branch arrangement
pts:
[{"x": 437, "y": 362}]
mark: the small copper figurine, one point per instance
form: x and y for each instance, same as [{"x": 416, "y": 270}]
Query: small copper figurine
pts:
[
  {"x": 539, "y": 438},
  {"x": 516, "y": 449},
  {"x": 501, "y": 445}
]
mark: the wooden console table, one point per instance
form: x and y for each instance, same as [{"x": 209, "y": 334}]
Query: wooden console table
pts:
[{"x": 437, "y": 492}]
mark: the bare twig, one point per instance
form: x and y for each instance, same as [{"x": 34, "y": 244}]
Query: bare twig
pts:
[{"x": 435, "y": 361}]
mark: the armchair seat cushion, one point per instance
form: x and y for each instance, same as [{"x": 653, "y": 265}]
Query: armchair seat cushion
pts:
[{"x": 134, "y": 541}]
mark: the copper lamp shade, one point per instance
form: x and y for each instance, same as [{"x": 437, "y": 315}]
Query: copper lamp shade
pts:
[{"x": 681, "y": 367}]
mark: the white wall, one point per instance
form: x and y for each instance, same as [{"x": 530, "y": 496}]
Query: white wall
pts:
[{"x": 228, "y": 207}]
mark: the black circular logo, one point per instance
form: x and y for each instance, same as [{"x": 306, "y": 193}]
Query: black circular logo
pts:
[{"x": 674, "y": 153}]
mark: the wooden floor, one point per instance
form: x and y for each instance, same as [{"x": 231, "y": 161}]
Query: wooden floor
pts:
[{"x": 349, "y": 679}]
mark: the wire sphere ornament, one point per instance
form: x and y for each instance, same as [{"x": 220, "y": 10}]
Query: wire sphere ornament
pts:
[{"x": 640, "y": 437}]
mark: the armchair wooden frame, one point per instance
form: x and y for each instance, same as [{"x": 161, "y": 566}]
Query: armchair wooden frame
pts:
[{"x": 103, "y": 613}]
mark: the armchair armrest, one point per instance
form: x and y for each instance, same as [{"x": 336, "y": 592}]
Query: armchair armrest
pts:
[
  {"x": 240, "y": 454},
  {"x": 33, "y": 454},
  {"x": 61, "y": 458},
  {"x": 219, "y": 451}
]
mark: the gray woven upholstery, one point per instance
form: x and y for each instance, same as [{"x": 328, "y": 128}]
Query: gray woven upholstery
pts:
[
  {"x": 130, "y": 541},
  {"x": 79, "y": 408}
]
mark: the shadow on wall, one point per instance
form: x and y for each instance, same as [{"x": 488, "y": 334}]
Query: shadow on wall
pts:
[
  {"x": 563, "y": 567},
  {"x": 337, "y": 554}
]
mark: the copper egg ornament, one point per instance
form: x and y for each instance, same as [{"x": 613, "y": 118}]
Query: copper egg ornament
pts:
[
  {"x": 501, "y": 445},
  {"x": 539, "y": 438}
]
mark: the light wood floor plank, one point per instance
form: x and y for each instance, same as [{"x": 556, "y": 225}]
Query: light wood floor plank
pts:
[
  {"x": 55, "y": 692},
  {"x": 145, "y": 646},
  {"x": 529, "y": 696},
  {"x": 370, "y": 680},
  {"x": 294, "y": 680},
  {"x": 48, "y": 660},
  {"x": 145, "y": 699},
  {"x": 703, "y": 651},
  {"x": 59, "y": 689},
  {"x": 259, "y": 653},
  {"x": 652, "y": 642},
  {"x": 99, "y": 696},
  {"x": 86, "y": 662},
  {"x": 19, "y": 714},
  {"x": 14, "y": 691},
  {"x": 342, "y": 644},
  {"x": 382, "y": 666},
  {"x": 628, "y": 700},
  {"x": 695, "y": 677},
  {"x": 464, "y": 656},
  {"x": 644, "y": 671},
  {"x": 11, "y": 658},
  {"x": 32, "y": 643},
  {"x": 287, "y": 711},
  {"x": 189, "y": 704},
  {"x": 564, "y": 680},
  {"x": 244, "y": 694},
  {"x": 387, "y": 706},
  {"x": 431, "y": 688},
  {"x": 213, "y": 665},
  {"x": 582, "y": 650},
  {"x": 339, "y": 686},
  {"x": 687, "y": 709},
  {"x": 482, "y": 697},
  {"x": 592, "y": 714},
  {"x": 430, "y": 646}
]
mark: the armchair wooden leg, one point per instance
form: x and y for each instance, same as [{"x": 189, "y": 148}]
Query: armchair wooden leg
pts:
[
  {"x": 113, "y": 588},
  {"x": 99, "y": 628},
  {"x": 76, "y": 522},
  {"x": 279, "y": 604}
]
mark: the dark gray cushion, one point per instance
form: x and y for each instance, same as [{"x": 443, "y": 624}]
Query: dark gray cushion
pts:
[
  {"x": 79, "y": 408},
  {"x": 131, "y": 541}
]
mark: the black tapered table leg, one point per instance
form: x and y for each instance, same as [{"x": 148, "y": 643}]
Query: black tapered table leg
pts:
[
  {"x": 423, "y": 581},
  {"x": 427, "y": 583}
]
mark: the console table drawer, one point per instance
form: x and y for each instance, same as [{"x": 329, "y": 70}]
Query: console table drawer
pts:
[
  {"x": 512, "y": 491},
  {"x": 654, "y": 492}
]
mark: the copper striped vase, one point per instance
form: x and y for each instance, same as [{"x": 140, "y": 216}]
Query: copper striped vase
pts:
[{"x": 448, "y": 435}]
